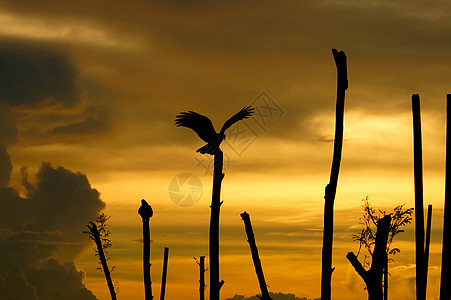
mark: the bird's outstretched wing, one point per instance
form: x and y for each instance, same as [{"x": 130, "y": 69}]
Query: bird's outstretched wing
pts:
[
  {"x": 245, "y": 113},
  {"x": 199, "y": 123}
]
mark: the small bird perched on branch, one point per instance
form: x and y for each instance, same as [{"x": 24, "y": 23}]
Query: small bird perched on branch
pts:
[
  {"x": 203, "y": 126},
  {"x": 145, "y": 210}
]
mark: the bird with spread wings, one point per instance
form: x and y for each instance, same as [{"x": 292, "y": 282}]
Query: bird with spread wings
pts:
[{"x": 203, "y": 126}]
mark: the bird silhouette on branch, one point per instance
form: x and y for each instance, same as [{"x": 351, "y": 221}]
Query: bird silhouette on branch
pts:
[{"x": 203, "y": 126}]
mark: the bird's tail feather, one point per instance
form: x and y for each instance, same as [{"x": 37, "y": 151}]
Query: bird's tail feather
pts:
[{"x": 208, "y": 149}]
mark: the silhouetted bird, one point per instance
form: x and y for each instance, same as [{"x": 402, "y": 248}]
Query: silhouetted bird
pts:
[
  {"x": 145, "y": 210},
  {"x": 204, "y": 128}
]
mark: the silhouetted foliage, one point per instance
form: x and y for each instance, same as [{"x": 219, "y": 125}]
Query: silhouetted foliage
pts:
[
  {"x": 103, "y": 231},
  {"x": 373, "y": 276},
  {"x": 400, "y": 217},
  {"x": 99, "y": 233}
]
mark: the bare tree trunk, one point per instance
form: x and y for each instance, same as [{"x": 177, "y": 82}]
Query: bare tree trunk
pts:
[
  {"x": 165, "y": 273},
  {"x": 445, "y": 281},
  {"x": 331, "y": 188},
  {"x": 202, "y": 278},
  {"x": 146, "y": 260},
  {"x": 386, "y": 277},
  {"x": 373, "y": 277},
  {"x": 426, "y": 249},
  {"x": 106, "y": 270},
  {"x": 215, "y": 285},
  {"x": 255, "y": 257},
  {"x": 419, "y": 213}
]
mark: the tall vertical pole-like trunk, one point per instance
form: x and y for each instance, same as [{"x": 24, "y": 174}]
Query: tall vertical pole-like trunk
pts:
[
  {"x": 215, "y": 285},
  {"x": 146, "y": 260},
  {"x": 255, "y": 256},
  {"x": 331, "y": 188},
  {"x": 426, "y": 249},
  {"x": 373, "y": 277},
  {"x": 445, "y": 281},
  {"x": 419, "y": 214},
  {"x": 202, "y": 278},
  {"x": 165, "y": 273},
  {"x": 386, "y": 277},
  {"x": 106, "y": 270}
]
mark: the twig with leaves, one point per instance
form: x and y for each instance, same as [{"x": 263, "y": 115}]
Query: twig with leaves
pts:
[
  {"x": 400, "y": 217},
  {"x": 99, "y": 233},
  {"x": 373, "y": 275}
]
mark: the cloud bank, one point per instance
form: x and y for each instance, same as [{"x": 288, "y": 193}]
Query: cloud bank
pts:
[{"x": 41, "y": 233}]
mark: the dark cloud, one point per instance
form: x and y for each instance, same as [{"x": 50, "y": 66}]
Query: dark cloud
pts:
[
  {"x": 5, "y": 167},
  {"x": 274, "y": 296},
  {"x": 36, "y": 75},
  {"x": 95, "y": 120},
  {"x": 47, "y": 280},
  {"x": 68, "y": 286},
  {"x": 14, "y": 283},
  {"x": 10, "y": 201},
  {"x": 215, "y": 58},
  {"x": 62, "y": 202},
  {"x": 9, "y": 132},
  {"x": 44, "y": 224},
  {"x": 41, "y": 94}
]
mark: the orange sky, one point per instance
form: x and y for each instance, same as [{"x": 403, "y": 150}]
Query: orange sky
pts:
[{"x": 94, "y": 87}]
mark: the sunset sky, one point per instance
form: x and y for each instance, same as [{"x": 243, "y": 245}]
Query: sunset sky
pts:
[{"x": 92, "y": 88}]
